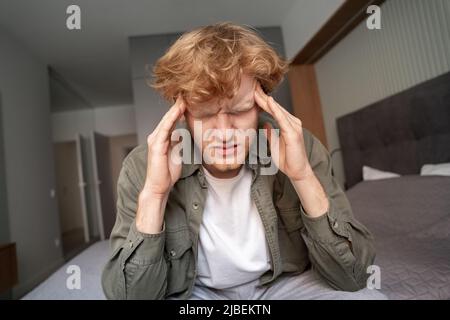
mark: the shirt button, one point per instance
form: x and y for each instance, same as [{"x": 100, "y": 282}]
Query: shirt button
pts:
[
  {"x": 195, "y": 205},
  {"x": 335, "y": 224},
  {"x": 173, "y": 253}
]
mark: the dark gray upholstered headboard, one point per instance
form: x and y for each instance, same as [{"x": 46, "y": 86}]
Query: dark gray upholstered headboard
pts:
[{"x": 399, "y": 133}]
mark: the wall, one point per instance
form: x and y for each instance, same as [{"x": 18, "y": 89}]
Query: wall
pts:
[
  {"x": 28, "y": 155},
  {"x": 4, "y": 220},
  {"x": 303, "y": 21},
  {"x": 115, "y": 120},
  {"x": 118, "y": 145},
  {"x": 369, "y": 65},
  {"x": 111, "y": 121},
  {"x": 149, "y": 106}
]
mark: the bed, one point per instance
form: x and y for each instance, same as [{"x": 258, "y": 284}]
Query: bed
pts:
[{"x": 408, "y": 215}]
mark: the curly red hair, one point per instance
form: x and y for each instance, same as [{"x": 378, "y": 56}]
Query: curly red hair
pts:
[{"x": 208, "y": 62}]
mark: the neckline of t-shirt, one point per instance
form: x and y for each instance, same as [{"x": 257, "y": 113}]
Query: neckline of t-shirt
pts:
[{"x": 210, "y": 177}]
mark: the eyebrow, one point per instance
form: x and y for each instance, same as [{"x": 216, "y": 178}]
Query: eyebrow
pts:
[{"x": 202, "y": 111}]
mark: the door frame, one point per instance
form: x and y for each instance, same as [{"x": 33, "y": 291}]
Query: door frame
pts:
[
  {"x": 96, "y": 185},
  {"x": 82, "y": 187}
]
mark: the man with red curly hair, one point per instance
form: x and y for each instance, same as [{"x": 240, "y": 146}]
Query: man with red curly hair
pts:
[{"x": 223, "y": 227}]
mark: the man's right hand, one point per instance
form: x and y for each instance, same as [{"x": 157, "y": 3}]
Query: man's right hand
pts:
[{"x": 162, "y": 172}]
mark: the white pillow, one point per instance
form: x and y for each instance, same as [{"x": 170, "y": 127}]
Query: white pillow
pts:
[
  {"x": 375, "y": 174},
  {"x": 440, "y": 169}
]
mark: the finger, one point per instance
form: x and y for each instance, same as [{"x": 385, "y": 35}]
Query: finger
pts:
[
  {"x": 167, "y": 126},
  {"x": 292, "y": 119},
  {"x": 294, "y": 122},
  {"x": 275, "y": 106},
  {"x": 274, "y": 142},
  {"x": 176, "y": 147},
  {"x": 162, "y": 145},
  {"x": 267, "y": 103},
  {"x": 261, "y": 101},
  {"x": 267, "y": 131},
  {"x": 168, "y": 123},
  {"x": 175, "y": 137},
  {"x": 178, "y": 104},
  {"x": 280, "y": 116}
]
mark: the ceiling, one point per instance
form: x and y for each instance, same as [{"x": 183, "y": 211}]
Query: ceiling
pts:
[{"x": 94, "y": 60}]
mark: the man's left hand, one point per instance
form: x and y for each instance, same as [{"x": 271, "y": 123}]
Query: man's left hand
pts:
[{"x": 290, "y": 156}]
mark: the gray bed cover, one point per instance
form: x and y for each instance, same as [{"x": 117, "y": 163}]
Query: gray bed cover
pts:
[{"x": 410, "y": 219}]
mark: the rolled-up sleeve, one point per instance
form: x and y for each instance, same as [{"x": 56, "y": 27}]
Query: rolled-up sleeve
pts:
[{"x": 340, "y": 247}]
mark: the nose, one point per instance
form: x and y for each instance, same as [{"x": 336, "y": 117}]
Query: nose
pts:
[{"x": 224, "y": 121}]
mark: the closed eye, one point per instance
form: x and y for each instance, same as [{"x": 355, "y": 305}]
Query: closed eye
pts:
[{"x": 242, "y": 110}]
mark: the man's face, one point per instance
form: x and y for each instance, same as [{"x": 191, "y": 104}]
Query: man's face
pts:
[{"x": 226, "y": 126}]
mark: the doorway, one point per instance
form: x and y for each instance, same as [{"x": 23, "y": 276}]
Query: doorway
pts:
[
  {"x": 109, "y": 153},
  {"x": 70, "y": 202}
]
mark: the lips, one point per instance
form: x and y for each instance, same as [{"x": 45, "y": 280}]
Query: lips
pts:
[
  {"x": 229, "y": 146},
  {"x": 227, "y": 150}
]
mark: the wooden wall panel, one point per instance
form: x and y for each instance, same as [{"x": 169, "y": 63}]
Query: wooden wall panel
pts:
[{"x": 306, "y": 99}]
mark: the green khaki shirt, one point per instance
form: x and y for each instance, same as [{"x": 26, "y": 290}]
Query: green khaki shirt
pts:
[{"x": 156, "y": 266}]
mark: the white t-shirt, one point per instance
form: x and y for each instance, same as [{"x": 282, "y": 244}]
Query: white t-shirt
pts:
[{"x": 232, "y": 244}]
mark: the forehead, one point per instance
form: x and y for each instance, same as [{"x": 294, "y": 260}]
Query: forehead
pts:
[
  {"x": 243, "y": 96},
  {"x": 246, "y": 88}
]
